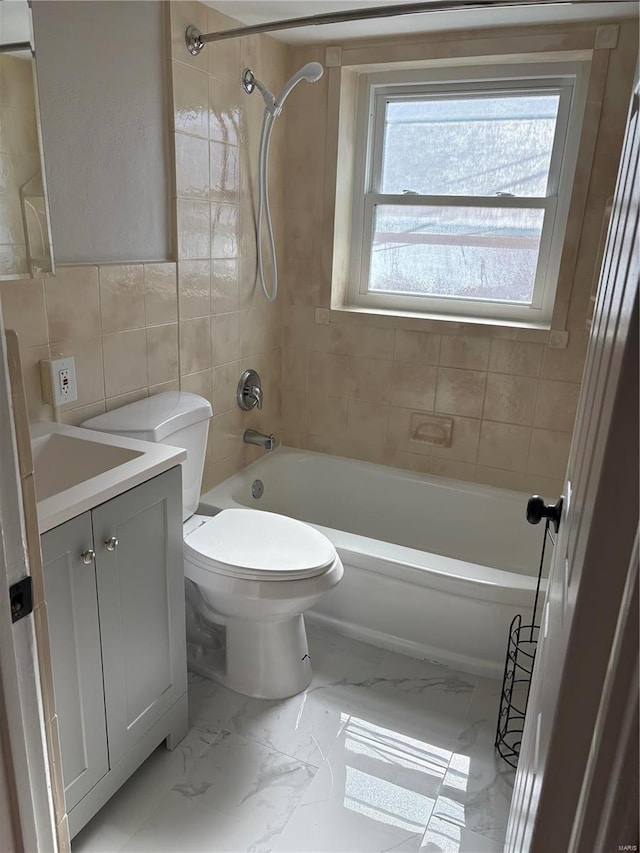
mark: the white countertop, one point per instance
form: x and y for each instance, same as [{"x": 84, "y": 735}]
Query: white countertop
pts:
[{"x": 77, "y": 469}]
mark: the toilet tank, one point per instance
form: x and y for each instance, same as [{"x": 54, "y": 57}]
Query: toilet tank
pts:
[{"x": 176, "y": 418}]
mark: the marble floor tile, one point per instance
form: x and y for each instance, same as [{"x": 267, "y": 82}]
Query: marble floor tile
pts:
[
  {"x": 375, "y": 792},
  {"x": 125, "y": 812},
  {"x": 211, "y": 705},
  {"x": 444, "y": 837}
]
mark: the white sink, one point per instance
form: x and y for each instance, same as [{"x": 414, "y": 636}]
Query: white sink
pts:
[
  {"x": 61, "y": 461},
  {"x": 76, "y": 469}
]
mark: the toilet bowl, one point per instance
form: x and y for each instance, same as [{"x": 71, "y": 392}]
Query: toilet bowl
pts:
[{"x": 254, "y": 573}]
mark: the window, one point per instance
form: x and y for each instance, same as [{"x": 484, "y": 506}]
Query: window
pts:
[{"x": 462, "y": 190}]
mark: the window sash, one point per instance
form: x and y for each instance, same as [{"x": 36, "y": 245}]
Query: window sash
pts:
[
  {"x": 566, "y": 78},
  {"x": 549, "y": 206}
]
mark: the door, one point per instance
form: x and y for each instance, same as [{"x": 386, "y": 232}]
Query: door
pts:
[
  {"x": 74, "y": 631},
  {"x": 594, "y": 559},
  {"x": 138, "y": 543}
]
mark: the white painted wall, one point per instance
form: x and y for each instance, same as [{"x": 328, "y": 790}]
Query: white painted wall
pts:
[{"x": 102, "y": 77}]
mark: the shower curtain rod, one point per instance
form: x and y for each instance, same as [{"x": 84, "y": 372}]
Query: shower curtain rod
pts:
[{"x": 196, "y": 40}]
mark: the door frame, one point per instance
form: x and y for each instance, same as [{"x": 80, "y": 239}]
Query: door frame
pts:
[{"x": 577, "y": 750}]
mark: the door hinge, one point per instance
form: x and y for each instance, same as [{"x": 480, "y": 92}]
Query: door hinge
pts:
[{"x": 21, "y": 598}]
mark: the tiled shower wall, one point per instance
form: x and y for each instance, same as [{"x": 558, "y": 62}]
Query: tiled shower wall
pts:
[
  {"x": 226, "y": 325},
  {"x": 367, "y": 386},
  {"x": 138, "y": 329}
]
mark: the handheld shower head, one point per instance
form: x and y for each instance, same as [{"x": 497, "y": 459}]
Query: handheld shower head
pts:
[
  {"x": 249, "y": 83},
  {"x": 311, "y": 72}
]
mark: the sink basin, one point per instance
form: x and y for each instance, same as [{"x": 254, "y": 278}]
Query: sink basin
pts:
[
  {"x": 61, "y": 461},
  {"x": 77, "y": 469}
]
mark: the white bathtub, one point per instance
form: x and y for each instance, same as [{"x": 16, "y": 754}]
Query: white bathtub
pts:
[{"x": 434, "y": 568}]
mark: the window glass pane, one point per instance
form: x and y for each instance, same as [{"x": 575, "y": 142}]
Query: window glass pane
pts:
[
  {"x": 456, "y": 252},
  {"x": 466, "y": 145}
]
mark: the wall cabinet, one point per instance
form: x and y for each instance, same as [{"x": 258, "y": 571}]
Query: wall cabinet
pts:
[{"x": 114, "y": 583}]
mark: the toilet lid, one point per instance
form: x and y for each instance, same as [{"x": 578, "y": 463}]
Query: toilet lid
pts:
[{"x": 257, "y": 545}]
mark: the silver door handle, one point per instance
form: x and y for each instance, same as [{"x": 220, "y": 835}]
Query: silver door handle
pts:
[
  {"x": 111, "y": 543},
  {"x": 88, "y": 556}
]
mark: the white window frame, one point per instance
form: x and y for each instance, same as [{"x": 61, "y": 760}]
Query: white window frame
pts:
[{"x": 568, "y": 79}]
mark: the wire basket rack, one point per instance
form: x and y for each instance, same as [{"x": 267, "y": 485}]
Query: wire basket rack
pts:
[{"x": 522, "y": 645}]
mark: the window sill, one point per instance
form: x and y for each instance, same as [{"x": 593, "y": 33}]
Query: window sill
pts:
[{"x": 457, "y": 319}]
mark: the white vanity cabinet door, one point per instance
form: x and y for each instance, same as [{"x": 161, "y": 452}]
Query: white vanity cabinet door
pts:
[
  {"x": 72, "y": 604},
  {"x": 141, "y": 600}
]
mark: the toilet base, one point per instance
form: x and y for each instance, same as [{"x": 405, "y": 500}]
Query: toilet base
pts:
[{"x": 265, "y": 660}]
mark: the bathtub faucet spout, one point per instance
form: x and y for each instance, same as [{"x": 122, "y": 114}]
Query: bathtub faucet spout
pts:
[{"x": 252, "y": 436}]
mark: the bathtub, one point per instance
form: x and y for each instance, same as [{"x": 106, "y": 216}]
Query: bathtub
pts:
[{"x": 434, "y": 568}]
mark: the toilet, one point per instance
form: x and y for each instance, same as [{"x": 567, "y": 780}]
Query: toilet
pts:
[{"x": 250, "y": 574}]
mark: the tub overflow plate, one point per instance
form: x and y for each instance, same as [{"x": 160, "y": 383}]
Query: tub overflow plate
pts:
[{"x": 257, "y": 489}]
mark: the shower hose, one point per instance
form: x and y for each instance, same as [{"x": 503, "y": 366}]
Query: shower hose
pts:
[{"x": 268, "y": 120}]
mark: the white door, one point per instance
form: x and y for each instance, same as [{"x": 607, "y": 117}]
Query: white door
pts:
[
  {"x": 141, "y": 600},
  {"x": 74, "y": 631},
  {"x": 594, "y": 552}
]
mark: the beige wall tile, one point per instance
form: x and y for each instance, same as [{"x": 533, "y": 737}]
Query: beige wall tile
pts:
[
  {"x": 73, "y": 303},
  {"x": 510, "y": 399},
  {"x": 226, "y": 434},
  {"x": 225, "y": 386},
  {"x": 224, "y": 61},
  {"x": 225, "y": 230},
  {"x": 413, "y": 386},
  {"x": 224, "y": 173},
  {"x": 125, "y": 362},
  {"x": 556, "y": 405},
  {"x": 124, "y": 399},
  {"x": 328, "y": 374},
  {"x": 372, "y": 341},
  {"x": 549, "y": 453},
  {"x": 76, "y": 417},
  {"x": 327, "y": 416},
  {"x": 370, "y": 379},
  {"x": 503, "y": 446},
  {"x": 226, "y": 121},
  {"x": 162, "y": 353},
  {"x": 399, "y": 433},
  {"x": 30, "y": 358},
  {"x": 416, "y": 347},
  {"x": 467, "y": 351},
  {"x": 190, "y": 100},
  {"x": 464, "y": 441},
  {"x": 160, "y": 294},
  {"x": 460, "y": 392},
  {"x": 294, "y": 412},
  {"x": 550, "y": 488},
  {"x": 194, "y": 288},
  {"x": 451, "y": 468},
  {"x": 23, "y": 310},
  {"x": 295, "y": 370},
  {"x": 192, "y": 167},
  {"x": 224, "y": 285},
  {"x": 122, "y": 297},
  {"x": 367, "y": 422},
  {"x": 225, "y": 338},
  {"x": 500, "y": 478},
  {"x": 195, "y": 345},
  {"x": 522, "y": 359},
  {"x": 402, "y": 459},
  {"x": 183, "y": 14},
  {"x": 194, "y": 229},
  {"x": 566, "y": 365},
  {"x": 296, "y": 326},
  {"x": 330, "y": 338},
  {"x": 89, "y": 369},
  {"x": 173, "y": 385},
  {"x": 200, "y": 384}
]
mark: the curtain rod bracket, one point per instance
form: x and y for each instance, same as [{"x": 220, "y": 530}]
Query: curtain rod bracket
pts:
[{"x": 193, "y": 41}]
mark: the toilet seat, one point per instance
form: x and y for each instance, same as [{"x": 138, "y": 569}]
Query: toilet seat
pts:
[{"x": 251, "y": 544}]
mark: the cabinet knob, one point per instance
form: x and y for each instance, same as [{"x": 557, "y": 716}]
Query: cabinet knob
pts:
[
  {"x": 88, "y": 556},
  {"x": 111, "y": 543}
]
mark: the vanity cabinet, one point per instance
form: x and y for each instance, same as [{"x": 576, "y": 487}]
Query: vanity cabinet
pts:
[{"x": 114, "y": 584}]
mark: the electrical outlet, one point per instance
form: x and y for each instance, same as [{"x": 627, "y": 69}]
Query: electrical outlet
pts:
[{"x": 59, "y": 380}]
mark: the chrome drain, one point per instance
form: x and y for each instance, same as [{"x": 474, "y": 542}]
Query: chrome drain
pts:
[{"x": 257, "y": 489}]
